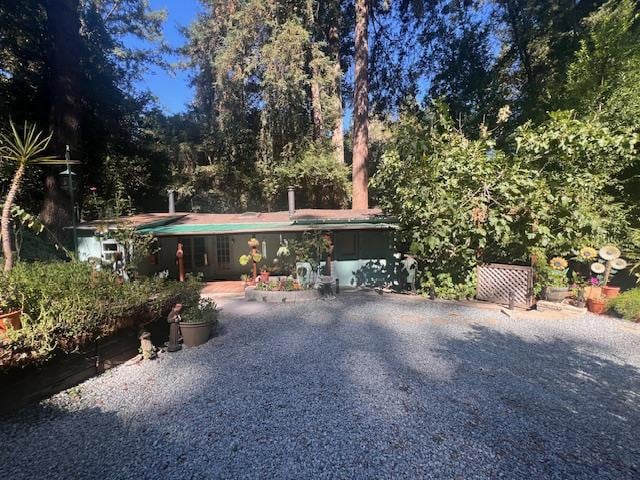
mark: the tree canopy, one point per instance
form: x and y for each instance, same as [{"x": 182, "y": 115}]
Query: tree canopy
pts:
[{"x": 324, "y": 94}]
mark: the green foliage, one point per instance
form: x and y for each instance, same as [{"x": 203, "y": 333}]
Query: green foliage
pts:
[
  {"x": 66, "y": 305},
  {"x": 257, "y": 65},
  {"x": 627, "y": 304},
  {"x": 115, "y": 41},
  {"x": 319, "y": 180},
  {"x": 443, "y": 286},
  {"x": 312, "y": 248},
  {"x": 605, "y": 73},
  {"x": 462, "y": 201},
  {"x": 138, "y": 246},
  {"x": 204, "y": 311}
]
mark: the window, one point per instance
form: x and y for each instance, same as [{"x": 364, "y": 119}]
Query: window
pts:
[
  {"x": 199, "y": 252},
  {"x": 109, "y": 250},
  {"x": 195, "y": 253},
  {"x": 223, "y": 253},
  {"x": 346, "y": 245}
]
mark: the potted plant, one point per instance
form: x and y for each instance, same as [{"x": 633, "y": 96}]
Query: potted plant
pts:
[
  {"x": 197, "y": 323},
  {"x": 593, "y": 288},
  {"x": 597, "y": 305},
  {"x": 10, "y": 309},
  {"x": 582, "y": 272},
  {"x": 556, "y": 287},
  {"x": 608, "y": 266},
  {"x": 264, "y": 274},
  {"x": 578, "y": 289}
]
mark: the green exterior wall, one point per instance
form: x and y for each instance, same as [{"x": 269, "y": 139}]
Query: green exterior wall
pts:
[{"x": 361, "y": 257}]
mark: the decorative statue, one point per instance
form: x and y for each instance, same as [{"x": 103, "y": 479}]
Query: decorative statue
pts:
[
  {"x": 174, "y": 328},
  {"x": 328, "y": 241},
  {"x": 410, "y": 265},
  {"x": 180, "y": 261}
]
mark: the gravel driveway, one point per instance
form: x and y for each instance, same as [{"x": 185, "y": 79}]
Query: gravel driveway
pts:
[{"x": 359, "y": 387}]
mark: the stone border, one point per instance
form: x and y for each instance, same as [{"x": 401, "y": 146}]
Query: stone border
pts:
[{"x": 295, "y": 296}]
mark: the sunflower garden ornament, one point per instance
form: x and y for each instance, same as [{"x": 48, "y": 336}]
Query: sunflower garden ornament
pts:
[
  {"x": 558, "y": 263},
  {"x": 587, "y": 254},
  {"x": 609, "y": 252},
  {"x": 554, "y": 273},
  {"x": 609, "y": 265}
]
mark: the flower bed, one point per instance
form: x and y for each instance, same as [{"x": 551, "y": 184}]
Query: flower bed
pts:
[
  {"x": 65, "y": 306},
  {"x": 263, "y": 294}
]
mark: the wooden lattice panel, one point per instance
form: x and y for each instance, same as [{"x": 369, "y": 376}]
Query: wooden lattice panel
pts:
[{"x": 497, "y": 282}]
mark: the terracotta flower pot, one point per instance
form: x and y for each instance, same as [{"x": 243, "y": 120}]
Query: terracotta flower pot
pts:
[
  {"x": 11, "y": 319},
  {"x": 592, "y": 292},
  {"x": 194, "y": 334},
  {"x": 610, "y": 292},
  {"x": 596, "y": 305}
]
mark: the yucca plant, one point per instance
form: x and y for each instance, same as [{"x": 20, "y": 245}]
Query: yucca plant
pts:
[{"x": 23, "y": 149}]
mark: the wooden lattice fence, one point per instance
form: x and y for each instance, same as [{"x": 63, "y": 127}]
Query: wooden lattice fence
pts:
[{"x": 499, "y": 283}]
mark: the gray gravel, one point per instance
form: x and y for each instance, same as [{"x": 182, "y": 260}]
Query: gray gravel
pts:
[{"x": 363, "y": 386}]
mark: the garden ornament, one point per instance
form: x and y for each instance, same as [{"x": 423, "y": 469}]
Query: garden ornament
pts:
[
  {"x": 174, "y": 328},
  {"x": 147, "y": 347},
  {"x": 180, "y": 261},
  {"x": 410, "y": 265}
]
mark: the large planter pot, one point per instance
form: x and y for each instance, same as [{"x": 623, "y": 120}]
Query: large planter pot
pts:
[
  {"x": 11, "y": 319},
  {"x": 596, "y": 305},
  {"x": 556, "y": 294},
  {"x": 592, "y": 292},
  {"x": 610, "y": 292},
  {"x": 194, "y": 334}
]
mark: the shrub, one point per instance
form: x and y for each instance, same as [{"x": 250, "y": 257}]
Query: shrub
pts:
[
  {"x": 462, "y": 201},
  {"x": 66, "y": 305},
  {"x": 627, "y": 304}
]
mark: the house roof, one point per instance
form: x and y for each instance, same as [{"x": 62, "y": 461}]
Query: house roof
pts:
[{"x": 166, "y": 224}]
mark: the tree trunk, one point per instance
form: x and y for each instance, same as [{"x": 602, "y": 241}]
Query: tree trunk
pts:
[
  {"x": 65, "y": 110},
  {"x": 337, "y": 139},
  {"x": 6, "y": 218},
  {"x": 361, "y": 109},
  {"x": 316, "y": 106},
  {"x": 64, "y": 83}
]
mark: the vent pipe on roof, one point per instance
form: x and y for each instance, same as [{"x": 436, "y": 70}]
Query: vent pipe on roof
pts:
[
  {"x": 172, "y": 202},
  {"x": 291, "y": 196}
]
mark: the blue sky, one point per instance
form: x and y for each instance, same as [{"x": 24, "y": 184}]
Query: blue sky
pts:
[{"x": 172, "y": 89}]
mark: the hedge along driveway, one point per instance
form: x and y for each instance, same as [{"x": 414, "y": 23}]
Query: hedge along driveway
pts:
[{"x": 362, "y": 386}]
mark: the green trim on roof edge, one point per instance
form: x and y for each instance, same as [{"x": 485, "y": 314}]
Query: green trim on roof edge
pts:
[{"x": 211, "y": 228}]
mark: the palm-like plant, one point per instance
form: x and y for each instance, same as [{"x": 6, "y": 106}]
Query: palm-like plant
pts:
[{"x": 22, "y": 149}]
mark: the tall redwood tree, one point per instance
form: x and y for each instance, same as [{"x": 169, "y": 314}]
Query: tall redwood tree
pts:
[{"x": 361, "y": 109}]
